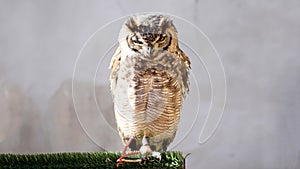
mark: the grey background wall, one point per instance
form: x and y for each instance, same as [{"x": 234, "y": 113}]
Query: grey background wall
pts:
[{"x": 258, "y": 42}]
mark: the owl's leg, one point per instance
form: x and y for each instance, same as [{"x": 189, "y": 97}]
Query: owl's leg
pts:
[
  {"x": 145, "y": 148},
  {"x": 121, "y": 159}
]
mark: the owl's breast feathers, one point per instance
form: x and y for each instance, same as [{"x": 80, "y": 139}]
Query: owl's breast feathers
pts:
[{"x": 156, "y": 100}]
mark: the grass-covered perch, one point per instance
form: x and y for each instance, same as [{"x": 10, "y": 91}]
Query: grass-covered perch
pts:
[{"x": 170, "y": 159}]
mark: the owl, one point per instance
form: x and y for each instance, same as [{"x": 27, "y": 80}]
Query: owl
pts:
[{"x": 149, "y": 81}]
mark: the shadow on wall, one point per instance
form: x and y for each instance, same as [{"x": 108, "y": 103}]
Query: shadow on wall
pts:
[
  {"x": 20, "y": 122},
  {"x": 25, "y": 129}
]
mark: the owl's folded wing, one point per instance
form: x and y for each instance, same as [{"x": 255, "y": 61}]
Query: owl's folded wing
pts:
[{"x": 114, "y": 66}]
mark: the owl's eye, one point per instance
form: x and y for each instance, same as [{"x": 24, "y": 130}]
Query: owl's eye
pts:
[
  {"x": 136, "y": 41},
  {"x": 162, "y": 38}
]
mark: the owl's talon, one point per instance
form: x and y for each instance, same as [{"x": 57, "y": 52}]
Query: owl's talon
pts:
[{"x": 156, "y": 154}]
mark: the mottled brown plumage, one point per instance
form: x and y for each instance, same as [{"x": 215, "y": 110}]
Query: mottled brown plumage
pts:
[{"x": 149, "y": 80}]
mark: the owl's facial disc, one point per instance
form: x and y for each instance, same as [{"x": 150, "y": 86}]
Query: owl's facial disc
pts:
[{"x": 148, "y": 43}]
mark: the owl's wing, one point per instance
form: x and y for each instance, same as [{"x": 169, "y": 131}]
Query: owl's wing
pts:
[
  {"x": 185, "y": 71},
  {"x": 185, "y": 58},
  {"x": 114, "y": 66}
]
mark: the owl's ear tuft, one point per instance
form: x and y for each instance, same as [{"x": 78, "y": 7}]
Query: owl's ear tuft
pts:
[
  {"x": 131, "y": 24},
  {"x": 165, "y": 22}
]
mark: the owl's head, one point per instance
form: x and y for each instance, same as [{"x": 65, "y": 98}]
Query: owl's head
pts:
[{"x": 149, "y": 33}]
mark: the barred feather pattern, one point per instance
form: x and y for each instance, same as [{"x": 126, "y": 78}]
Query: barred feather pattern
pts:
[{"x": 148, "y": 94}]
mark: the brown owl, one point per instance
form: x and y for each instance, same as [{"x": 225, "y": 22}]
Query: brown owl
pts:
[{"x": 149, "y": 80}]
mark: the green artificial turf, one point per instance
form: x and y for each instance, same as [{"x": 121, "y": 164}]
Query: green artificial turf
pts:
[{"x": 168, "y": 160}]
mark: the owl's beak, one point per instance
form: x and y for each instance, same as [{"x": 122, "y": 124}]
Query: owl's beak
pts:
[{"x": 150, "y": 50}]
